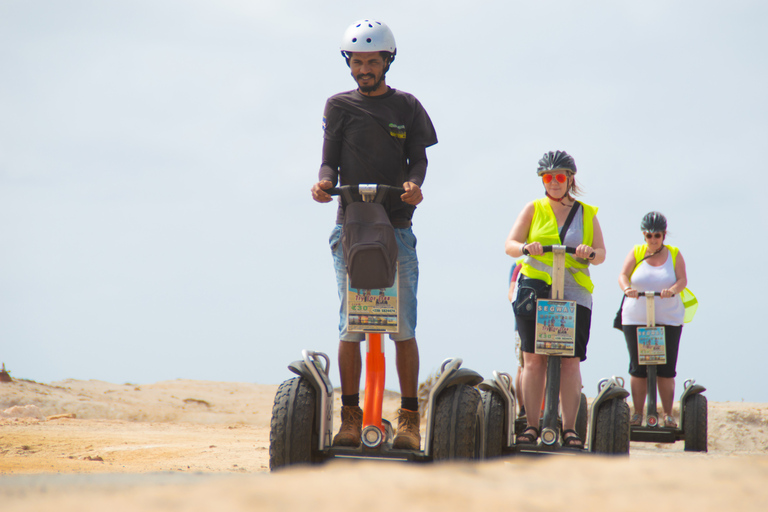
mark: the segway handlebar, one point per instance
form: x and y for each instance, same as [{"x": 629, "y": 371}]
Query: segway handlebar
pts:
[
  {"x": 356, "y": 189},
  {"x": 650, "y": 294},
  {"x": 548, "y": 248}
]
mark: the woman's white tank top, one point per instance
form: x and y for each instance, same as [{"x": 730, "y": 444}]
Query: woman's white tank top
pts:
[{"x": 647, "y": 278}]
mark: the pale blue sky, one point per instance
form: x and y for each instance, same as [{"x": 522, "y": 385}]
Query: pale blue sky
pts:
[{"x": 156, "y": 158}]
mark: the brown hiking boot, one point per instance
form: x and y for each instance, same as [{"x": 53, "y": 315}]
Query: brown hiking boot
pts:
[
  {"x": 408, "y": 436},
  {"x": 351, "y": 426}
]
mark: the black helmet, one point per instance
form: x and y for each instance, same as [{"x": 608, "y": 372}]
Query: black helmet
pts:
[
  {"x": 654, "y": 222},
  {"x": 555, "y": 160}
]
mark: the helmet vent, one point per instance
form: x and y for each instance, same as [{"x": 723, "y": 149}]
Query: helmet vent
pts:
[{"x": 368, "y": 40}]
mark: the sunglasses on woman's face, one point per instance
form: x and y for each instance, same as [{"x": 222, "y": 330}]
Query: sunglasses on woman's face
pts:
[
  {"x": 652, "y": 235},
  {"x": 561, "y": 178}
]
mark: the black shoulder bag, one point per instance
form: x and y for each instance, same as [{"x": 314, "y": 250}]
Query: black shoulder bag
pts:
[{"x": 617, "y": 318}]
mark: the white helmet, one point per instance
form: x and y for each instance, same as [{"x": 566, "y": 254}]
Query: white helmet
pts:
[{"x": 368, "y": 36}]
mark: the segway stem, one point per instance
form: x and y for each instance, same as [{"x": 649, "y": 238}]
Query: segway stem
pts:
[
  {"x": 652, "y": 413},
  {"x": 375, "y": 374},
  {"x": 550, "y": 430},
  {"x": 552, "y": 399}
]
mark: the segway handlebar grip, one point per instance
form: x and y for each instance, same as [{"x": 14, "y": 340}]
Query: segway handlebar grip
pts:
[{"x": 336, "y": 191}]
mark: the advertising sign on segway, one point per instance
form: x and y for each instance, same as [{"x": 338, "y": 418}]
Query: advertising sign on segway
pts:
[
  {"x": 651, "y": 347},
  {"x": 555, "y": 327},
  {"x": 372, "y": 310}
]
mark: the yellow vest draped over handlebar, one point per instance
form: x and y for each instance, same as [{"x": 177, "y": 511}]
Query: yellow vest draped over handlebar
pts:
[{"x": 544, "y": 230}]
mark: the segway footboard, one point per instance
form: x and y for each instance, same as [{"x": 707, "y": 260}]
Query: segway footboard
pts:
[{"x": 693, "y": 422}]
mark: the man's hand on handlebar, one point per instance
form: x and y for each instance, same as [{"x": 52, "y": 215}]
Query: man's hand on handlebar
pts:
[
  {"x": 318, "y": 191},
  {"x": 412, "y": 193}
]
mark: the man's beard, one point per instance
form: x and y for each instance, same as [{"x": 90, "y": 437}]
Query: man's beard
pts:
[{"x": 369, "y": 88}]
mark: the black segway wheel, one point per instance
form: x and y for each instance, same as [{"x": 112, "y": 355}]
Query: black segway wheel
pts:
[
  {"x": 612, "y": 428},
  {"x": 293, "y": 437},
  {"x": 582, "y": 418},
  {"x": 493, "y": 409},
  {"x": 695, "y": 423},
  {"x": 459, "y": 423}
]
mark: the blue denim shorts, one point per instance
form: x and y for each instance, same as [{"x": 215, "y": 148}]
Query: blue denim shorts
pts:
[{"x": 408, "y": 275}]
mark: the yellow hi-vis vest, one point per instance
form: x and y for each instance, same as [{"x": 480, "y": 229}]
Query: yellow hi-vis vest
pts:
[
  {"x": 690, "y": 302},
  {"x": 544, "y": 230}
]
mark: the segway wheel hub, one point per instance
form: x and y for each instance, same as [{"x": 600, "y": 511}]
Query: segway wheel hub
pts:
[{"x": 372, "y": 436}]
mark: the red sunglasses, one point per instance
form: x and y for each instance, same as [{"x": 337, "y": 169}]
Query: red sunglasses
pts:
[
  {"x": 652, "y": 235},
  {"x": 561, "y": 178}
]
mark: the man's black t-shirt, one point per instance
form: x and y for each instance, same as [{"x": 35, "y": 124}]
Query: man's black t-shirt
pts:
[{"x": 375, "y": 140}]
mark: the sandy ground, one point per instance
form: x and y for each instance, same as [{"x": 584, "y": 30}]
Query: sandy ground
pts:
[{"x": 196, "y": 445}]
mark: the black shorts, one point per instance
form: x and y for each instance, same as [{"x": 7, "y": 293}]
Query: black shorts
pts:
[
  {"x": 526, "y": 326},
  {"x": 672, "y": 335}
]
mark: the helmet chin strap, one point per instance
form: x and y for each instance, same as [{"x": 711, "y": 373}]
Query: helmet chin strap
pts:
[
  {"x": 559, "y": 200},
  {"x": 565, "y": 195}
]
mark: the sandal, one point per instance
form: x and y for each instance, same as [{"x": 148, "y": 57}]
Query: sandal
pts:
[
  {"x": 573, "y": 441},
  {"x": 637, "y": 420},
  {"x": 528, "y": 438},
  {"x": 670, "y": 422}
]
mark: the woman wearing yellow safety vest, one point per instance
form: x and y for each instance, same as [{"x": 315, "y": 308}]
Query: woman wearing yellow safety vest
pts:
[
  {"x": 539, "y": 224},
  {"x": 654, "y": 266}
]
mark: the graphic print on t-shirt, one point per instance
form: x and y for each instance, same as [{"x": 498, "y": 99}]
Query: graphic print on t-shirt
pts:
[{"x": 397, "y": 130}]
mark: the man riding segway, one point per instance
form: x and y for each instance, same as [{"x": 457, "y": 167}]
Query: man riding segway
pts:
[{"x": 376, "y": 134}]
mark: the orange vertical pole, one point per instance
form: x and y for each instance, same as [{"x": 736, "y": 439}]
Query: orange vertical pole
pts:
[{"x": 375, "y": 374}]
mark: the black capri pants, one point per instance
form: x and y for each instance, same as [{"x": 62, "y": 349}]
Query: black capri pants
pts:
[
  {"x": 672, "y": 335},
  {"x": 526, "y": 327}
]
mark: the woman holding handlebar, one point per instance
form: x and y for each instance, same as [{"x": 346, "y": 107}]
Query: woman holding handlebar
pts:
[
  {"x": 653, "y": 266},
  {"x": 556, "y": 219}
]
